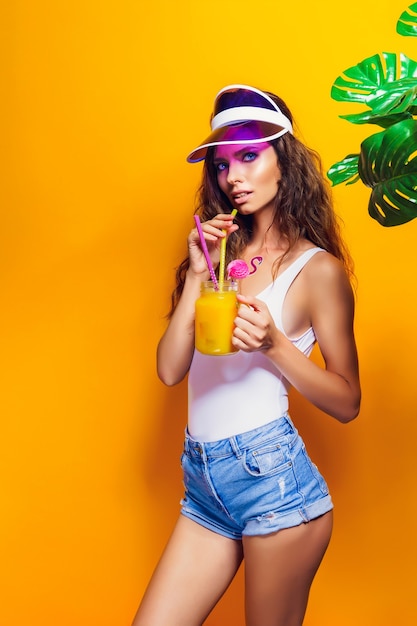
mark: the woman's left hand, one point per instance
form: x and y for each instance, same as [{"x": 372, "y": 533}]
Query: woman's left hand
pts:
[{"x": 254, "y": 327}]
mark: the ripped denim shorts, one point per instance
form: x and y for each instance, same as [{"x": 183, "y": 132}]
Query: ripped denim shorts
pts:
[{"x": 255, "y": 483}]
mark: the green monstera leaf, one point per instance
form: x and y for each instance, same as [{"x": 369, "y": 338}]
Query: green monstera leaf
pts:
[
  {"x": 386, "y": 83},
  {"x": 388, "y": 164},
  {"x": 407, "y": 23},
  {"x": 345, "y": 171}
]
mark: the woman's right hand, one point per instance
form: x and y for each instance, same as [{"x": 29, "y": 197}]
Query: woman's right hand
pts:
[
  {"x": 176, "y": 348},
  {"x": 213, "y": 234}
]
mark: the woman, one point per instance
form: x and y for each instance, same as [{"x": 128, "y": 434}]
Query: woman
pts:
[{"x": 251, "y": 491}]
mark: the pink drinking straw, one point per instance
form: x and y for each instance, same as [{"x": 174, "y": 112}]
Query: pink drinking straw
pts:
[{"x": 206, "y": 252}]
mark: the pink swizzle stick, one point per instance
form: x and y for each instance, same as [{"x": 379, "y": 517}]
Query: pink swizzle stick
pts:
[{"x": 206, "y": 252}]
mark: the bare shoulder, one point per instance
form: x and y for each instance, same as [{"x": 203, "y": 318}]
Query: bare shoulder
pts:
[
  {"x": 326, "y": 277},
  {"x": 323, "y": 266}
]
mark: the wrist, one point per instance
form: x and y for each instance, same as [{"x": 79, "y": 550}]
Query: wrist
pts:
[
  {"x": 275, "y": 347},
  {"x": 197, "y": 276}
]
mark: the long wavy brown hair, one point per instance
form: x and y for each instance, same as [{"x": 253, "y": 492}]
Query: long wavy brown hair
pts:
[{"x": 303, "y": 205}]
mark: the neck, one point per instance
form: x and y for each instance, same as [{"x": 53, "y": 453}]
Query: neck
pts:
[
  {"x": 265, "y": 233},
  {"x": 270, "y": 241}
]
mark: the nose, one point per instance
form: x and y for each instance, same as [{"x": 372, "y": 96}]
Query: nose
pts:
[{"x": 234, "y": 174}]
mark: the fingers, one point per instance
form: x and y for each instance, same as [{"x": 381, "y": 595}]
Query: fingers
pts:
[
  {"x": 254, "y": 326},
  {"x": 213, "y": 231},
  {"x": 217, "y": 228},
  {"x": 251, "y": 302}
]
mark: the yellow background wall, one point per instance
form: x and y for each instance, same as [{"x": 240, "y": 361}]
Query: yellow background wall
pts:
[{"x": 102, "y": 101}]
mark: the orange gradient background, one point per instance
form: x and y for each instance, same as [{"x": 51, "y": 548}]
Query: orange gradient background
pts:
[{"x": 101, "y": 103}]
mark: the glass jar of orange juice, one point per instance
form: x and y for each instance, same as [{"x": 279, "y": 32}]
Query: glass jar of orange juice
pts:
[{"x": 215, "y": 312}]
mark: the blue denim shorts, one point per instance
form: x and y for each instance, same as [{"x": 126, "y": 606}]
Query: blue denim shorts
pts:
[{"x": 255, "y": 483}]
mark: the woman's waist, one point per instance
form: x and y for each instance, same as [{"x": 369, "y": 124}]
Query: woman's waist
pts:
[
  {"x": 209, "y": 423},
  {"x": 280, "y": 430}
]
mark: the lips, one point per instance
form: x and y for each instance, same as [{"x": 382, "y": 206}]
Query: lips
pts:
[{"x": 240, "y": 196}]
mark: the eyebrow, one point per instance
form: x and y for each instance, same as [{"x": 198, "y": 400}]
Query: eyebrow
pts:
[{"x": 242, "y": 150}]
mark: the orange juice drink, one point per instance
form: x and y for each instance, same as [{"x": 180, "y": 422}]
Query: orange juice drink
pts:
[{"x": 215, "y": 312}]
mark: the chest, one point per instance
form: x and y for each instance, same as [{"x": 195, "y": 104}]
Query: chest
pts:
[{"x": 287, "y": 300}]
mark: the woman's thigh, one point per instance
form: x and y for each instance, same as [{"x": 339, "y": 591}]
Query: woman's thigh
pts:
[
  {"x": 194, "y": 571},
  {"x": 279, "y": 570}
]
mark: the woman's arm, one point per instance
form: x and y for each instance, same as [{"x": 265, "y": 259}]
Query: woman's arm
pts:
[
  {"x": 176, "y": 347},
  {"x": 335, "y": 389}
]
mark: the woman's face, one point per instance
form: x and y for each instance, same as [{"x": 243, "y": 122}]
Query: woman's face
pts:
[{"x": 248, "y": 175}]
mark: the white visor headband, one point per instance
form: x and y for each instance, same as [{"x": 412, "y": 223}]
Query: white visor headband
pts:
[
  {"x": 241, "y": 105},
  {"x": 240, "y": 115}
]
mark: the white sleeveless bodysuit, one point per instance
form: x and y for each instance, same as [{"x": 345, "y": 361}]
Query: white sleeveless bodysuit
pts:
[{"x": 232, "y": 394}]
